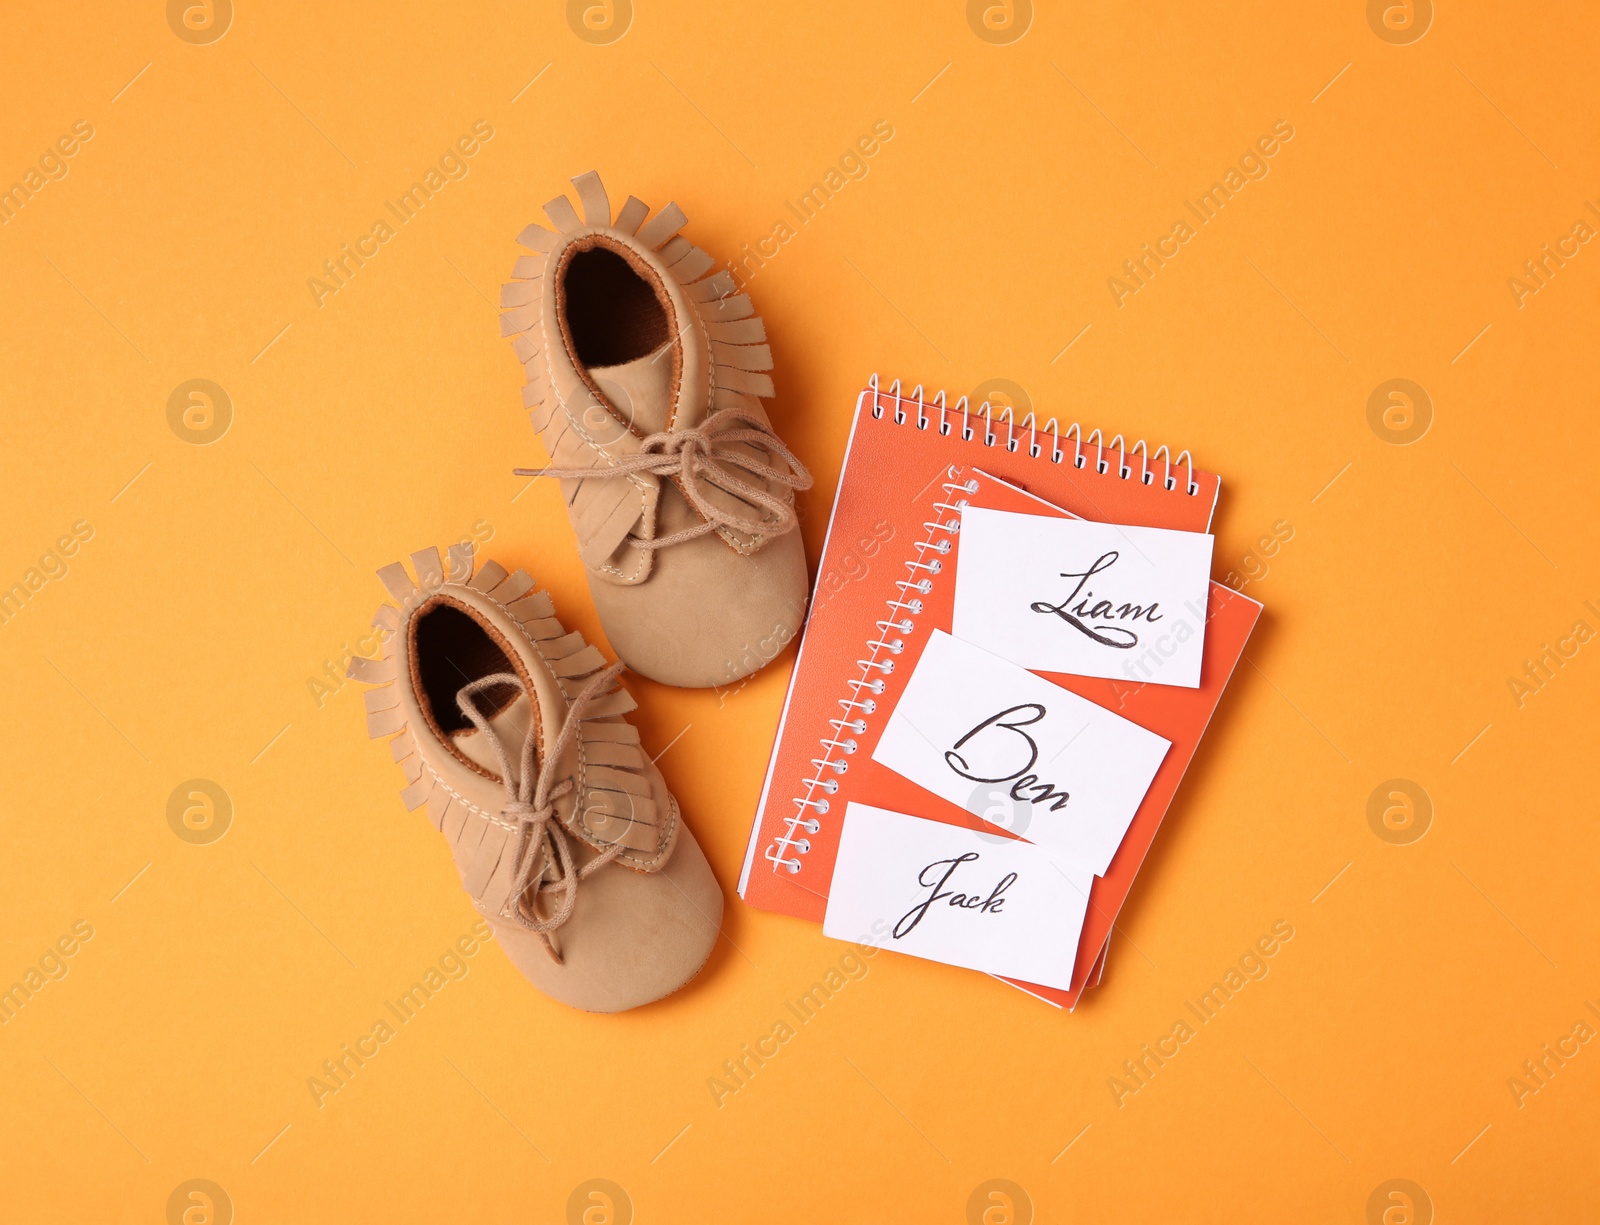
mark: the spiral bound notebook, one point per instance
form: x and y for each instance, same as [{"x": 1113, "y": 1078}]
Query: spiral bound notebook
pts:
[{"x": 882, "y": 588}]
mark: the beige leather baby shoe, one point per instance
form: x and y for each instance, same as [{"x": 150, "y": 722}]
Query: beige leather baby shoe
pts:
[
  {"x": 510, "y": 730},
  {"x": 644, "y": 378}
]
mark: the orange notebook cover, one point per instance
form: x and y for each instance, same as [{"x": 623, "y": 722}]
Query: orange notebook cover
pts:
[{"x": 886, "y": 580}]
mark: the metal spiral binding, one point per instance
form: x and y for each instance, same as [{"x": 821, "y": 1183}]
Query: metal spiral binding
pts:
[
  {"x": 907, "y": 603},
  {"x": 1014, "y": 432},
  {"x": 786, "y": 849}
]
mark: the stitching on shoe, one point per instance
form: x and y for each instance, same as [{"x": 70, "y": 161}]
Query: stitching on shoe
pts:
[
  {"x": 638, "y": 483},
  {"x": 552, "y": 268},
  {"x": 455, "y": 795}
]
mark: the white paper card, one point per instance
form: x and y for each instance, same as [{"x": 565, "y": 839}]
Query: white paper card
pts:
[
  {"x": 1012, "y": 748},
  {"x": 951, "y": 894},
  {"x": 1093, "y": 599}
]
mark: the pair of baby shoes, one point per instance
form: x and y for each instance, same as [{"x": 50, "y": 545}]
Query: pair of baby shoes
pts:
[{"x": 645, "y": 378}]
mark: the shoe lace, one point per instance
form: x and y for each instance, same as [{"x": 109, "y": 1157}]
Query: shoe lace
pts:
[
  {"x": 530, "y": 802},
  {"x": 688, "y": 454}
]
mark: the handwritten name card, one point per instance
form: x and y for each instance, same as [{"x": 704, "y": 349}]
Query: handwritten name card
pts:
[
  {"x": 950, "y": 894},
  {"x": 1012, "y": 748},
  {"x": 1092, "y": 599}
]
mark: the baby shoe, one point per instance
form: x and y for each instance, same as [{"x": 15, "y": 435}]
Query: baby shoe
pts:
[
  {"x": 510, "y": 730},
  {"x": 644, "y": 378}
]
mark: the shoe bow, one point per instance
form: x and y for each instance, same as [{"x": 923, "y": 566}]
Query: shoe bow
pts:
[
  {"x": 530, "y": 804},
  {"x": 702, "y": 456}
]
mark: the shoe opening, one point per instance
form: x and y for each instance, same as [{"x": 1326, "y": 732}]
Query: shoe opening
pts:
[
  {"x": 612, "y": 313},
  {"x": 453, "y": 648}
]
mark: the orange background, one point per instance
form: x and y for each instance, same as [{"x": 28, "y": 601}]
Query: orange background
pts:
[{"x": 219, "y": 579}]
